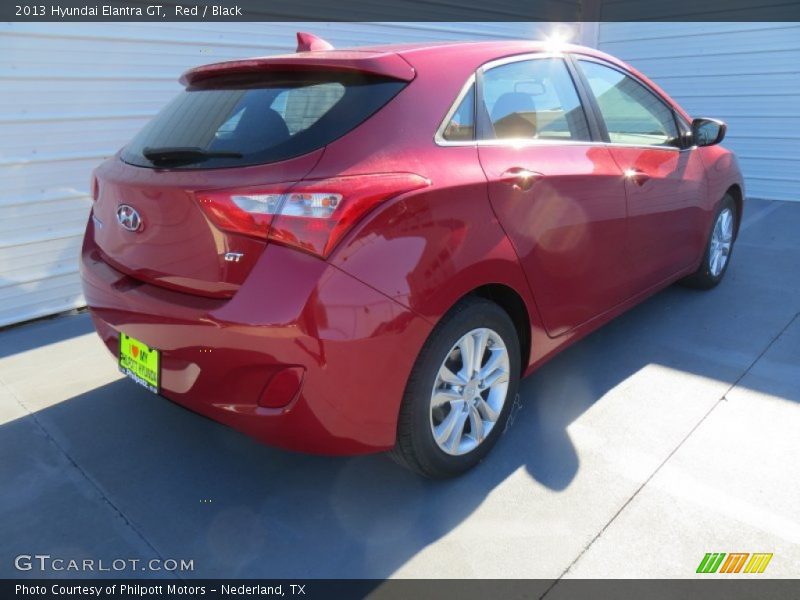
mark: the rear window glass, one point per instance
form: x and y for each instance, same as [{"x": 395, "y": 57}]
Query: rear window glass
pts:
[{"x": 238, "y": 122}]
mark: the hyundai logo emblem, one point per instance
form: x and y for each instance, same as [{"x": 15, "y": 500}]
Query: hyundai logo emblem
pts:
[{"x": 129, "y": 218}]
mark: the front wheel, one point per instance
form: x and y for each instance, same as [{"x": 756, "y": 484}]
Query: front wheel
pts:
[
  {"x": 460, "y": 392},
  {"x": 719, "y": 249}
]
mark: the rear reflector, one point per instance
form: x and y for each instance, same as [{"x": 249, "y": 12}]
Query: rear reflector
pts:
[
  {"x": 282, "y": 388},
  {"x": 312, "y": 216}
]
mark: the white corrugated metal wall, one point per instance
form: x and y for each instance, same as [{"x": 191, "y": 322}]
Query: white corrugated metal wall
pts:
[
  {"x": 74, "y": 93},
  {"x": 747, "y": 74}
]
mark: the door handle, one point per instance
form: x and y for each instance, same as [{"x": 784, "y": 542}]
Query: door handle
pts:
[
  {"x": 521, "y": 179},
  {"x": 636, "y": 176}
]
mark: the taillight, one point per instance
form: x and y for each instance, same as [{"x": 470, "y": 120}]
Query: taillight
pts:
[{"x": 310, "y": 215}]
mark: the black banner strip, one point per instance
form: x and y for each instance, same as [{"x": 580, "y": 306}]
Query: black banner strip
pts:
[
  {"x": 399, "y": 10},
  {"x": 716, "y": 588}
]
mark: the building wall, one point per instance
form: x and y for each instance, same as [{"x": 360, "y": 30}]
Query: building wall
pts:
[
  {"x": 74, "y": 93},
  {"x": 747, "y": 74}
]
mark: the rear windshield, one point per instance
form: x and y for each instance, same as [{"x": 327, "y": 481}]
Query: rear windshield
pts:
[{"x": 244, "y": 121}]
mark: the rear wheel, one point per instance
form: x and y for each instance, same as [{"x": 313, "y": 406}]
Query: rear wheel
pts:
[
  {"x": 718, "y": 251},
  {"x": 460, "y": 391}
]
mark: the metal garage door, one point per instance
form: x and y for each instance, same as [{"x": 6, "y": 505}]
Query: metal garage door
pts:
[
  {"x": 74, "y": 93},
  {"x": 747, "y": 74}
]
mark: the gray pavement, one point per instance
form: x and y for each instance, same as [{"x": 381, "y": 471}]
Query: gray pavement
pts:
[{"x": 669, "y": 433}]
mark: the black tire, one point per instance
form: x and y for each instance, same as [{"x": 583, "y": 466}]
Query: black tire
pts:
[
  {"x": 703, "y": 279},
  {"x": 416, "y": 448}
]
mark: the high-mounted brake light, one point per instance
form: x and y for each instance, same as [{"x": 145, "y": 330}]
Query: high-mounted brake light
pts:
[{"x": 312, "y": 216}]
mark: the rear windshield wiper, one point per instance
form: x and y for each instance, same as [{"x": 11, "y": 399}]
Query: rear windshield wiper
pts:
[{"x": 184, "y": 154}]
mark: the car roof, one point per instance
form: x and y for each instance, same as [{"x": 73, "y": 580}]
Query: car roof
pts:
[{"x": 489, "y": 48}]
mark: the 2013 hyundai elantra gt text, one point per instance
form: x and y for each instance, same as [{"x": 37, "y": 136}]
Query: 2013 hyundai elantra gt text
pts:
[{"x": 351, "y": 251}]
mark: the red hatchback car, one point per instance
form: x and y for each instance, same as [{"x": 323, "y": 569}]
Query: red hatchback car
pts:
[{"x": 351, "y": 251}]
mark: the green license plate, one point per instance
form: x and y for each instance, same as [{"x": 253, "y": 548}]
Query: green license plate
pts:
[{"x": 139, "y": 361}]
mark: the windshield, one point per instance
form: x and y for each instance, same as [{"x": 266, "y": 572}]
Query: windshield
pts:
[{"x": 247, "y": 121}]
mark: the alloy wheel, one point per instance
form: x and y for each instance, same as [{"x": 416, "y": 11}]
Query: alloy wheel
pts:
[
  {"x": 470, "y": 390},
  {"x": 721, "y": 242}
]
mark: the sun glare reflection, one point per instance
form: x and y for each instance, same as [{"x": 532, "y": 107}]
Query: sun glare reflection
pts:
[{"x": 558, "y": 38}]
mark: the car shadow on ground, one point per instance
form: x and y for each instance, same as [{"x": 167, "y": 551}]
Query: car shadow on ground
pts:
[{"x": 195, "y": 489}]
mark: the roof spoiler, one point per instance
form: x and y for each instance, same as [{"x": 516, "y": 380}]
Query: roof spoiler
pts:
[
  {"x": 308, "y": 42},
  {"x": 384, "y": 64}
]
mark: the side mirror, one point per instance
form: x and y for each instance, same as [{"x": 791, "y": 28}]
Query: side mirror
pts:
[{"x": 707, "y": 132}]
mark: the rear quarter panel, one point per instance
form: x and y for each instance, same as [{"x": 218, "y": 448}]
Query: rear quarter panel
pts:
[{"x": 431, "y": 248}]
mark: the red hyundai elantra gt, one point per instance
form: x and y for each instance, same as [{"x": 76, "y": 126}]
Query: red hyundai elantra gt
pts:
[{"x": 352, "y": 251}]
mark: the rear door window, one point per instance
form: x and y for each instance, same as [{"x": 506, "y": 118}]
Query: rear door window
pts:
[{"x": 238, "y": 122}]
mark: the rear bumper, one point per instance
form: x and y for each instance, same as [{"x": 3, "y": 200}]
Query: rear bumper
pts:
[{"x": 354, "y": 346}]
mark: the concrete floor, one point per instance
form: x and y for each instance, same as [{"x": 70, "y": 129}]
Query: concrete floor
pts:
[{"x": 672, "y": 432}]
